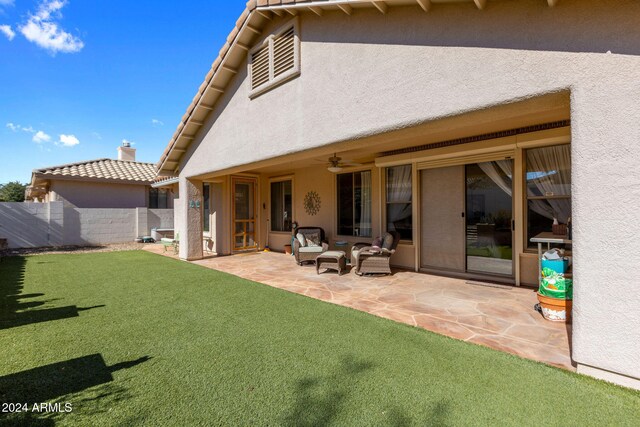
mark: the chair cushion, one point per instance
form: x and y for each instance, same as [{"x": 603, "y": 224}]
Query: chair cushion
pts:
[
  {"x": 301, "y": 239},
  {"x": 377, "y": 242},
  {"x": 313, "y": 239},
  {"x": 310, "y": 249},
  {"x": 387, "y": 241}
]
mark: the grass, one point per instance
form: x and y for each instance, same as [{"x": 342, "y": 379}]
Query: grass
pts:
[
  {"x": 502, "y": 252},
  {"x": 134, "y": 338}
]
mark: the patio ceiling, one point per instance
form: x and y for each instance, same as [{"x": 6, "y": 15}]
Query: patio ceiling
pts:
[{"x": 530, "y": 112}]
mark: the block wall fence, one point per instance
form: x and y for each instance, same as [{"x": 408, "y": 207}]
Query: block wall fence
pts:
[{"x": 32, "y": 225}]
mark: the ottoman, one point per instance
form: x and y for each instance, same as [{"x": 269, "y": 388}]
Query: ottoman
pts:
[{"x": 331, "y": 260}]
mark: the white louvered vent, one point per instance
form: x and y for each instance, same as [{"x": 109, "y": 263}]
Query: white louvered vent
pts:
[
  {"x": 283, "y": 52},
  {"x": 260, "y": 66},
  {"x": 276, "y": 60}
]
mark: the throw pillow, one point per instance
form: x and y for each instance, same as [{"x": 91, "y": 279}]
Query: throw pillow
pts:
[
  {"x": 377, "y": 242},
  {"x": 301, "y": 239},
  {"x": 313, "y": 239},
  {"x": 387, "y": 241}
]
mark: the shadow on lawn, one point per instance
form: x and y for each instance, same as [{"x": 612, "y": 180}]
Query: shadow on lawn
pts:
[
  {"x": 319, "y": 400},
  {"x": 56, "y": 383},
  {"x": 59, "y": 379},
  {"x": 16, "y": 309}
]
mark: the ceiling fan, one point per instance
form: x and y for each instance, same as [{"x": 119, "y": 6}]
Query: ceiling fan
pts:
[{"x": 335, "y": 163}]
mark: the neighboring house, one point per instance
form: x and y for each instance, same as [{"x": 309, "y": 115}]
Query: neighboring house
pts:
[
  {"x": 101, "y": 183},
  {"x": 466, "y": 130}
]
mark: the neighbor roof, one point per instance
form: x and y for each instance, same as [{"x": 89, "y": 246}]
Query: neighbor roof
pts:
[
  {"x": 102, "y": 170},
  {"x": 248, "y": 29}
]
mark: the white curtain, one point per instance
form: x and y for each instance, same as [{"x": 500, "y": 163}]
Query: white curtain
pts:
[
  {"x": 365, "y": 203},
  {"x": 551, "y": 175},
  {"x": 398, "y": 193},
  {"x": 503, "y": 182},
  {"x": 549, "y": 172}
]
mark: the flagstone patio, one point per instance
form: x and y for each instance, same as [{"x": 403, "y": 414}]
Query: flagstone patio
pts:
[{"x": 500, "y": 317}]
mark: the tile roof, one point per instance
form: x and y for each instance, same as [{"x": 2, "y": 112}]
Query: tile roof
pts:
[{"x": 102, "y": 170}]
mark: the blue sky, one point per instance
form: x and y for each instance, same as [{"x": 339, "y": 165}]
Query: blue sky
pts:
[{"x": 78, "y": 77}]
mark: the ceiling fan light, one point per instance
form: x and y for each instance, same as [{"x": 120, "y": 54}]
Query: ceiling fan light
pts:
[{"x": 334, "y": 169}]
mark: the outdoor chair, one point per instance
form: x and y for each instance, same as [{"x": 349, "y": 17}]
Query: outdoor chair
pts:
[
  {"x": 311, "y": 244},
  {"x": 171, "y": 243},
  {"x": 368, "y": 259}
]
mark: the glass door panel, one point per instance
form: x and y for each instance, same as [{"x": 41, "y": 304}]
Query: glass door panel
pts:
[
  {"x": 489, "y": 214},
  {"x": 244, "y": 215}
]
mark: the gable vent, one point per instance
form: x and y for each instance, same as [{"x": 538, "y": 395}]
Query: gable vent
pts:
[
  {"x": 260, "y": 67},
  {"x": 275, "y": 60},
  {"x": 283, "y": 52}
]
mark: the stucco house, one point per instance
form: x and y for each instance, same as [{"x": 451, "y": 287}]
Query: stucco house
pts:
[
  {"x": 101, "y": 183},
  {"x": 467, "y": 126}
]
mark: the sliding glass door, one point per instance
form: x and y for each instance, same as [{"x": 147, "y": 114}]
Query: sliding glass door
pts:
[
  {"x": 466, "y": 218},
  {"x": 489, "y": 213}
]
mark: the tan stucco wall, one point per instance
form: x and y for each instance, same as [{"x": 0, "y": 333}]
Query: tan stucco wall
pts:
[
  {"x": 369, "y": 73},
  {"x": 99, "y": 195}
]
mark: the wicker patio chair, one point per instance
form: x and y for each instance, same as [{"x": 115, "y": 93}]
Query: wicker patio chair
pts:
[
  {"x": 309, "y": 253},
  {"x": 368, "y": 260}
]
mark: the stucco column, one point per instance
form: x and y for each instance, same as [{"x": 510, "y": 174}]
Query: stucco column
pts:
[
  {"x": 190, "y": 226},
  {"x": 605, "y": 127}
]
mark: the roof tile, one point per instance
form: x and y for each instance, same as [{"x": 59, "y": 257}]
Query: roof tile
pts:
[{"x": 103, "y": 169}]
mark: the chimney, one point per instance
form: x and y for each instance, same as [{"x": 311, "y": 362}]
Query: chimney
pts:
[{"x": 126, "y": 153}]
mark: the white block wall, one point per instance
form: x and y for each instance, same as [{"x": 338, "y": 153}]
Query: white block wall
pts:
[
  {"x": 31, "y": 225},
  {"x": 159, "y": 218},
  {"x": 24, "y": 224},
  {"x": 99, "y": 226}
]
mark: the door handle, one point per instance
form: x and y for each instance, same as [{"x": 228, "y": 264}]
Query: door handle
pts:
[
  {"x": 462, "y": 214},
  {"x": 513, "y": 225}
]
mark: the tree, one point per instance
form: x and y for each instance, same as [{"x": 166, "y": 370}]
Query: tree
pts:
[{"x": 12, "y": 192}]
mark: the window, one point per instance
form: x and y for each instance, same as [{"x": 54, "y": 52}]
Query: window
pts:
[
  {"x": 276, "y": 60},
  {"x": 354, "y": 204},
  {"x": 548, "y": 187},
  {"x": 158, "y": 198},
  {"x": 398, "y": 198},
  {"x": 206, "y": 208},
  {"x": 281, "y": 213}
]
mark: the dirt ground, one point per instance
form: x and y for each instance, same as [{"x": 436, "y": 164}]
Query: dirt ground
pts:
[{"x": 74, "y": 249}]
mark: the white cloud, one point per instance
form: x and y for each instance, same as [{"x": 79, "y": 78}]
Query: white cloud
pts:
[
  {"x": 157, "y": 122},
  {"x": 42, "y": 29},
  {"x": 29, "y": 129},
  {"x": 13, "y": 127},
  {"x": 68, "y": 140},
  {"x": 6, "y": 2},
  {"x": 96, "y": 135},
  {"x": 7, "y": 31},
  {"x": 41, "y": 137}
]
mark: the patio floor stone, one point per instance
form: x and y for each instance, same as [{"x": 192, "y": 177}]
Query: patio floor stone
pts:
[{"x": 500, "y": 317}]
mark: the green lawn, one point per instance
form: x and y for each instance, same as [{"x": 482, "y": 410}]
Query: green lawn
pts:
[{"x": 135, "y": 338}]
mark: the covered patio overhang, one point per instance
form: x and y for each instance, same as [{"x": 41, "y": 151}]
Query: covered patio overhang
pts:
[
  {"x": 497, "y": 316},
  {"x": 366, "y": 147},
  {"x": 541, "y": 119}
]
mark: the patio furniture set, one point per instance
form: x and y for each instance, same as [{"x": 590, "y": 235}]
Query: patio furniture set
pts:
[{"x": 311, "y": 246}]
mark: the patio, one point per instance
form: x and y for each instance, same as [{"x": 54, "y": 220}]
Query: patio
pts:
[{"x": 500, "y": 317}]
